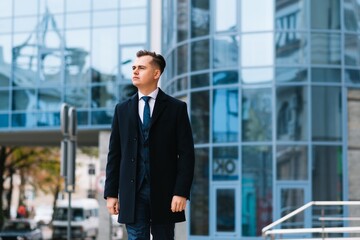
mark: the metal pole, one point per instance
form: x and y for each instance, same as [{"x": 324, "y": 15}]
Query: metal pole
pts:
[{"x": 69, "y": 218}]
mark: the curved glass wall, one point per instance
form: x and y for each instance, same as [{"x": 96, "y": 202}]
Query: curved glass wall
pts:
[
  {"x": 67, "y": 51},
  {"x": 269, "y": 86}
]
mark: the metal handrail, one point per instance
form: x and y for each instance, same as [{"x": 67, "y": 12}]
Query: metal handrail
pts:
[{"x": 266, "y": 231}]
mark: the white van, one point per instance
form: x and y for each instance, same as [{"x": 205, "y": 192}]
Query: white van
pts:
[{"x": 84, "y": 222}]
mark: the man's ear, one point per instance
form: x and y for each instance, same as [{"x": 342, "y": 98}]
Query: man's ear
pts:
[{"x": 157, "y": 73}]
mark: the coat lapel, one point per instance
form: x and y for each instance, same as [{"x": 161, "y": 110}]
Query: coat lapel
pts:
[
  {"x": 133, "y": 110},
  {"x": 160, "y": 105}
]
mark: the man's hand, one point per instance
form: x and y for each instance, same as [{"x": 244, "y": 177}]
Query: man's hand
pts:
[
  {"x": 112, "y": 205},
  {"x": 178, "y": 204}
]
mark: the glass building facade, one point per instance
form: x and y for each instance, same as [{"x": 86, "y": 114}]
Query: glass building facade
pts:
[
  {"x": 273, "y": 88},
  {"x": 76, "y": 52}
]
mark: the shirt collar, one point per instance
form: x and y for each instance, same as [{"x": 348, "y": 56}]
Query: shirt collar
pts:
[{"x": 153, "y": 94}]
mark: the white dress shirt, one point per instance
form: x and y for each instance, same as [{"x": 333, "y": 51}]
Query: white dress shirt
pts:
[{"x": 152, "y": 100}]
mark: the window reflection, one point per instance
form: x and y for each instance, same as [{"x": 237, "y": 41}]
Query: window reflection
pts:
[
  {"x": 257, "y": 75},
  {"x": 200, "y": 19},
  {"x": 28, "y": 7},
  {"x": 5, "y": 25},
  {"x": 257, "y": 179},
  {"x": 285, "y": 75},
  {"x": 4, "y": 120},
  {"x": 182, "y": 20},
  {"x": 77, "y": 96},
  {"x": 77, "y": 20},
  {"x": 6, "y": 8},
  {"x": 325, "y": 48},
  {"x": 108, "y": 19},
  {"x": 23, "y": 99},
  {"x": 75, "y": 6},
  {"x": 256, "y": 114},
  {"x": 351, "y": 15},
  {"x": 352, "y": 76},
  {"x": 225, "y": 52},
  {"x": 200, "y": 55},
  {"x": 182, "y": 59},
  {"x": 225, "y": 210},
  {"x": 199, "y": 80},
  {"x": 225, "y": 164},
  {"x": 200, "y": 116},
  {"x": 225, "y": 77},
  {"x": 133, "y": 34},
  {"x": 103, "y": 96},
  {"x": 129, "y": 4},
  {"x": 225, "y": 15},
  {"x": 326, "y": 114},
  {"x": 292, "y": 112},
  {"x": 257, "y": 49},
  {"x": 55, "y": 6},
  {"x": 325, "y": 75},
  {"x": 49, "y": 99},
  {"x": 291, "y": 48},
  {"x": 25, "y": 24},
  {"x": 225, "y": 115},
  {"x": 4, "y": 100},
  {"x": 252, "y": 11},
  {"x": 105, "y": 4},
  {"x": 291, "y": 163},
  {"x": 127, "y": 16},
  {"x": 101, "y": 117},
  {"x": 291, "y": 14},
  {"x": 352, "y": 49},
  {"x": 325, "y": 15}
]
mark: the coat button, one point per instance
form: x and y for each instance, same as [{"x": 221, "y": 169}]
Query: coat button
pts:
[
  {"x": 133, "y": 160},
  {"x": 132, "y": 181}
]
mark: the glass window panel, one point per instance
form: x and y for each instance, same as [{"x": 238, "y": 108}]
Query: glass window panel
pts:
[
  {"x": 182, "y": 20},
  {"x": 126, "y": 91},
  {"x": 292, "y": 113},
  {"x": 74, "y": 6},
  {"x": 292, "y": 198},
  {"x": 252, "y": 11},
  {"x": 325, "y": 75},
  {"x": 325, "y": 15},
  {"x": 5, "y": 25},
  {"x": 182, "y": 59},
  {"x": 352, "y": 76},
  {"x": 133, "y": 34},
  {"x": 225, "y": 77},
  {"x": 28, "y": 7},
  {"x": 25, "y": 24},
  {"x": 200, "y": 116},
  {"x": 77, "y": 57},
  {"x": 130, "y": 4},
  {"x": 106, "y": 18},
  {"x": 325, "y": 48},
  {"x": 291, "y": 48},
  {"x": 4, "y": 80},
  {"x": 257, "y": 49},
  {"x": 225, "y": 15},
  {"x": 103, "y": 96},
  {"x": 200, "y": 18},
  {"x": 199, "y": 80},
  {"x": 200, "y": 55},
  {"x": 225, "y": 164},
  {"x": 77, "y": 96},
  {"x": 127, "y": 16},
  {"x": 49, "y": 99},
  {"x": 77, "y": 20},
  {"x": 291, "y": 15},
  {"x": 199, "y": 205},
  {"x": 6, "y": 8},
  {"x": 225, "y": 115},
  {"x": 4, "y": 100},
  {"x": 225, "y": 210},
  {"x": 23, "y": 120},
  {"x": 101, "y": 117},
  {"x": 82, "y": 118},
  {"x": 5, "y": 53},
  {"x": 23, "y": 99},
  {"x": 225, "y": 52},
  {"x": 256, "y": 193},
  {"x": 326, "y": 114},
  {"x": 106, "y": 4},
  {"x": 128, "y": 53},
  {"x": 4, "y": 120},
  {"x": 351, "y": 15},
  {"x": 54, "y": 6},
  {"x": 256, "y": 114},
  {"x": 105, "y": 60},
  {"x": 287, "y": 75},
  {"x": 352, "y": 49},
  {"x": 291, "y": 162},
  {"x": 257, "y": 75},
  {"x": 48, "y": 119}
]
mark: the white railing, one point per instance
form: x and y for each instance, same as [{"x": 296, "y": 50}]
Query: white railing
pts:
[{"x": 270, "y": 231}]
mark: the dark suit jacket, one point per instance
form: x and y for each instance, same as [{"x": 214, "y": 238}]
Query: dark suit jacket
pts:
[{"x": 171, "y": 157}]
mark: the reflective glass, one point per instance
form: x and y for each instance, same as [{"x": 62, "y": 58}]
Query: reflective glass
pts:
[
  {"x": 133, "y": 34},
  {"x": 104, "y": 4},
  {"x": 128, "y": 53},
  {"x": 225, "y": 115},
  {"x": 105, "y": 19},
  {"x": 23, "y": 120},
  {"x": 325, "y": 48},
  {"x": 325, "y": 14},
  {"x": 75, "y": 6},
  {"x": 352, "y": 50},
  {"x": 225, "y": 77},
  {"x": 105, "y": 59},
  {"x": 28, "y": 7},
  {"x": 4, "y": 120},
  {"x": 225, "y": 52},
  {"x": 291, "y": 162},
  {"x": 200, "y": 116},
  {"x": 77, "y": 96},
  {"x": 25, "y": 24},
  {"x": 256, "y": 114},
  {"x": 225, "y": 15},
  {"x": 291, "y": 15},
  {"x": 103, "y": 96},
  {"x": 5, "y": 25},
  {"x": 200, "y": 18},
  {"x": 291, "y": 48},
  {"x": 257, "y": 49},
  {"x": 325, "y": 75},
  {"x": 82, "y": 118},
  {"x": 352, "y": 76},
  {"x": 5, "y": 54},
  {"x": 127, "y": 16},
  {"x": 182, "y": 20},
  {"x": 4, "y": 100},
  {"x": 54, "y": 6},
  {"x": 49, "y": 99},
  {"x": 126, "y": 91},
  {"x": 326, "y": 114},
  {"x": 291, "y": 113},
  {"x": 199, "y": 210},
  {"x": 252, "y": 11},
  {"x": 101, "y": 117},
  {"x": 181, "y": 84},
  {"x": 225, "y": 210},
  {"x": 130, "y": 4},
  {"x": 225, "y": 164},
  {"x": 182, "y": 59},
  {"x": 23, "y": 99},
  {"x": 77, "y": 20},
  {"x": 256, "y": 193},
  {"x": 199, "y": 80},
  {"x": 4, "y": 80},
  {"x": 351, "y": 15},
  {"x": 292, "y": 198},
  {"x": 287, "y": 75},
  {"x": 48, "y": 119},
  {"x": 257, "y": 75},
  {"x": 200, "y": 55},
  {"x": 6, "y": 8}
]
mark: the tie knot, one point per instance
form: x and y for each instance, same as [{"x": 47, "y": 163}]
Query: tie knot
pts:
[{"x": 146, "y": 98}]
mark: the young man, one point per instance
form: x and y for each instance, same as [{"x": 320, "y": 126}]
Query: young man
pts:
[{"x": 150, "y": 163}]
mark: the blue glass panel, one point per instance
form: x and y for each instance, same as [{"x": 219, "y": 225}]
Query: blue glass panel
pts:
[
  {"x": 291, "y": 15},
  {"x": 101, "y": 117},
  {"x": 225, "y": 164},
  {"x": 4, "y": 120},
  {"x": 226, "y": 77},
  {"x": 287, "y": 75},
  {"x": 225, "y": 52},
  {"x": 292, "y": 163}
]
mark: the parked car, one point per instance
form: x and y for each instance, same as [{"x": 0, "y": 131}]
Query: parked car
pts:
[
  {"x": 25, "y": 229},
  {"x": 43, "y": 214}
]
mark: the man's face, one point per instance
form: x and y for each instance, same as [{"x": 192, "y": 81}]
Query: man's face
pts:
[{"x": 145, "y": 75}]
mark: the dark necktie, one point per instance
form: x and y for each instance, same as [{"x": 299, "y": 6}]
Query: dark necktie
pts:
[{"x": 146, "y": 116}]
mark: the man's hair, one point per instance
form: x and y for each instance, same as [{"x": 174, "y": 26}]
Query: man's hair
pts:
[{"x": 157, "y": 58}]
